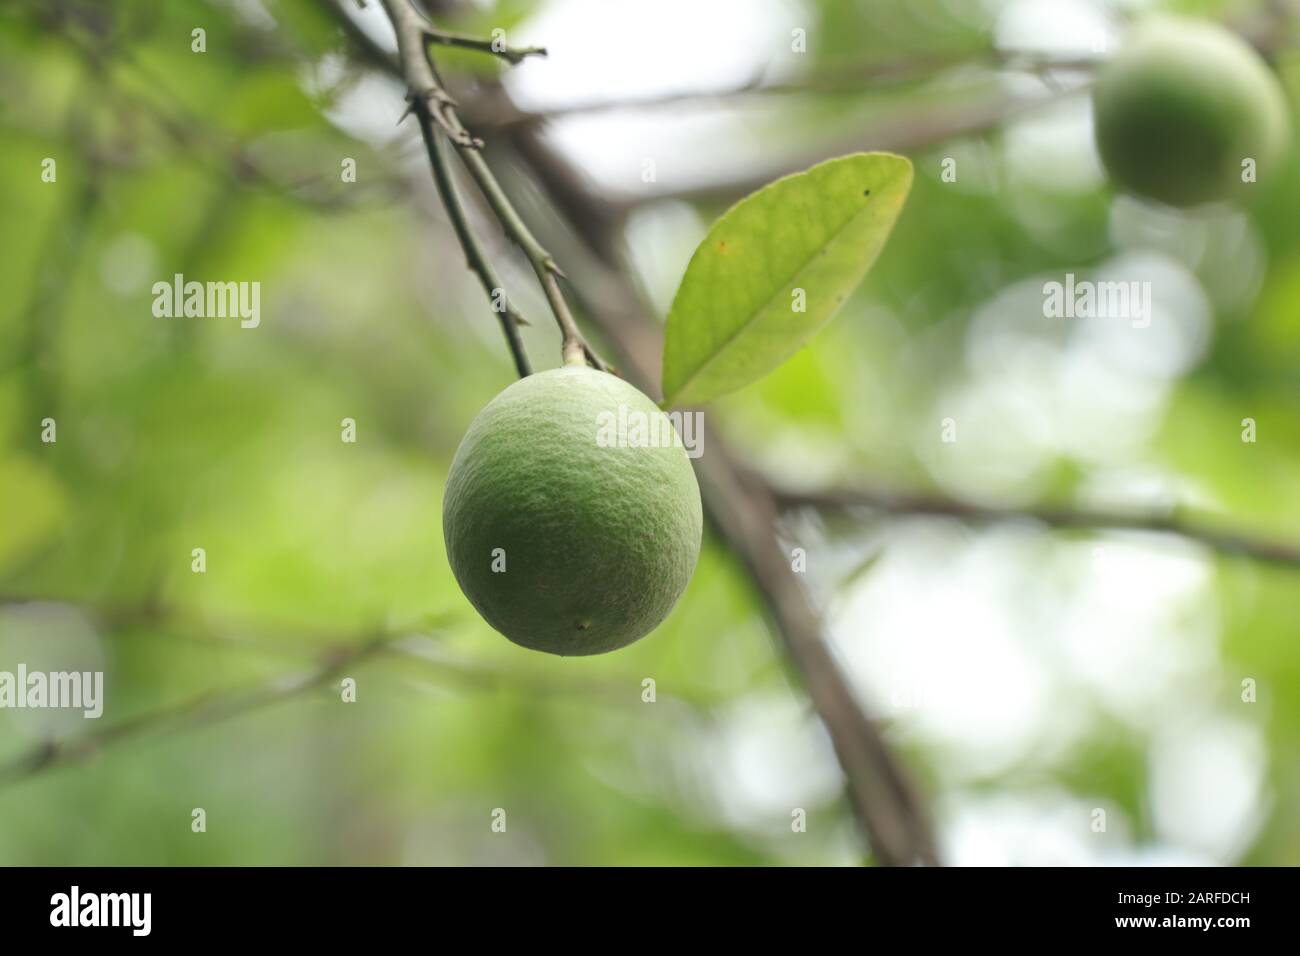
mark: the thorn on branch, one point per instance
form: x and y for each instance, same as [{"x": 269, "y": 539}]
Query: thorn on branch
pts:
[
  {"x": 439, "y": 114},
  {"x": 441, "y": 97}
]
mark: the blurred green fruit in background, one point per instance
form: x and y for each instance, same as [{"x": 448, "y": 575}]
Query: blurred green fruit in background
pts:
[
  {"x": 1181, "y": 107},
  {"x": 564, "y": 541}
]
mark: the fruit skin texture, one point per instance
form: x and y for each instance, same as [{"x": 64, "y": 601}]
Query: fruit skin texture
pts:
[
  {"x": 1180, "y": 107},
  {"x": 599, "y": 542}
]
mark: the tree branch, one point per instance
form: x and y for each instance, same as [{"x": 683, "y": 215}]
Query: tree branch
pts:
[
  {"x": 1225, "y": 541},
  {"x": 852, "y": 78},
  {"x": 432, "y": 105},
  {"x": 906, "y": 133},
  {"x": 513, "y": 55},
  {"x": 214, "y": 707},
  {"x": 201, "y": 711},
  {"x": 436, "y": 146}
]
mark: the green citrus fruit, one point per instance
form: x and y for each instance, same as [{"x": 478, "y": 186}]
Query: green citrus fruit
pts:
[
  {"x": 1179, "y": 109},
  {"x": 566, "y": 532}
]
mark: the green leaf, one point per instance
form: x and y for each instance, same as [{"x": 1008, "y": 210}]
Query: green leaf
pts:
[{"x": 734, "y": 318}]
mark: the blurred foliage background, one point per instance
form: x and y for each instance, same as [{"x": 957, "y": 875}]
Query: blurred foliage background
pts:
[{"x": 1028, "y": 675}]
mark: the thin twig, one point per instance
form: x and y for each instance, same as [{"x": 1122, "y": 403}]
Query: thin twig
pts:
[
  {"x": 907, "y": 132},
  {"x": 213, "y": 707},
  {"x": 435, "y": 145},
  {"x": 206, "y": 709},
  {"x": 513, "y": 55},
  {"x": 915, "y": 131},
  {"x": 1225, "y": 541},
  {"x": 432, "y": 105},
  {"x": 859, "y": 79}
]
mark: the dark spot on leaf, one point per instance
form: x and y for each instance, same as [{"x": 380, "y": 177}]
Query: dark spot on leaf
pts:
[
  {"x": 722, "y": 247},
  {"x": 866, "y": 192},
  {"x": 582, "y": 625}
]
